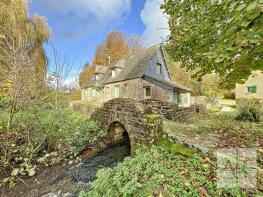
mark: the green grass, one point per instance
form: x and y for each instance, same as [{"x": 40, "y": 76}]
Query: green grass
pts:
[
  {"x": 211, "y": 122},
  {"x": 174, "y": 148},
  {"x": 228, "y": 102}
]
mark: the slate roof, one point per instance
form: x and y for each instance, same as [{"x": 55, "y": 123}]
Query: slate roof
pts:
[
  {"x": 170, "y": 83},
  {"x": 101, "y": 70},
  {"x": 134, "y": 67}
]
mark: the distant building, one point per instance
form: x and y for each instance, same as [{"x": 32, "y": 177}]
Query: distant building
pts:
[
  {"x": 253, "y": 88},
  {"x": 141, "y": 76}
]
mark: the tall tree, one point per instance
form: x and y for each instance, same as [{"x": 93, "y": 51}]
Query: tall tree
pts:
[
  {"x": 116, "y": 46},
  {"x": 134, "y": 43},
  {"x": 86, "y": 74},
  {"x": 100, "y": 57},
  {"x": 225, "y": 37},
  {"x": 21, "y": 42}
]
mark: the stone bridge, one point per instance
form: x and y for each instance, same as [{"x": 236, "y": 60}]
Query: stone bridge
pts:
[{"x": 141, "y": 120}]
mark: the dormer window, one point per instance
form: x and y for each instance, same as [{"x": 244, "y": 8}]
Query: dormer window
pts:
[
  {"x": 97, "y": 77},
  {"x": 158, "y": 69},
  {"x": 114, "y": 72},
  {"x": 118, "y": 71}
]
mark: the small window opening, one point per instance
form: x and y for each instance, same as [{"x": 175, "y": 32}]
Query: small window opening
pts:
[
  {"x": 158, "y": 69},
  {"x": 147, "y": 92},
  {"x": 251, "y": 89}
]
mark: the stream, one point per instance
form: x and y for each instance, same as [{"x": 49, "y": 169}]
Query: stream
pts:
[{"x": 69, "y": 180}]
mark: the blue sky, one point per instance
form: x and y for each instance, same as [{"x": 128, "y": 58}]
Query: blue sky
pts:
[{"x": 79, "y": 26}]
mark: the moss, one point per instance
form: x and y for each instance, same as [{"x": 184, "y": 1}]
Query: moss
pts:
[
  {"x": 152, "y": 118},
  {"x": 174, "y": 148}
]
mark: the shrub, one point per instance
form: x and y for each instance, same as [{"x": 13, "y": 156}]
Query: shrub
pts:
[
  {"x": 75, "y": 95},
  {"x": 250, "y": 110},
  {"x": 230, "y": 95},
  {"x": 155, "y": 172}
]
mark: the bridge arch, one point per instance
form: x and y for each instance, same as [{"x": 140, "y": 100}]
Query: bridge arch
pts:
[
  {"x": 142, "y": 127},
  {"x": 119, "y": 134}
]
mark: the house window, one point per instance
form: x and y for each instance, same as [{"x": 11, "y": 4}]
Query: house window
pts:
[
  {"x": 118, "y": 70},
  {"x": 114, "y": 73},
  {"x": 119, "y": 90},
  {"x": 176, "y": 97},
  {"x": 89, "y": 92},
  {"x": 97, "y": 77},
  {"x": 251, "y": 89},
  {"x": 112, "y": 92},
  {"x": 158, "y": 69},
  {"x": 146, "y": 92},
  {"x": 107, "y": 93},
  {"x": 125, "y": 89},
  {"x": 94, "y": 92}
]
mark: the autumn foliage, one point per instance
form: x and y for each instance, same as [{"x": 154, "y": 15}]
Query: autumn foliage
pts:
[
  {"x": 116, "y": 47},
  {"x": 86, "y": 74}
]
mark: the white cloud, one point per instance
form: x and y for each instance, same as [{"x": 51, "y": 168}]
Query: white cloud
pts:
[
  {"x": 71, "y": 82},
  {"x": 155, "y": 22},
  {"x": 78, "y": 17},
  {"x": 110, "y": 9}
]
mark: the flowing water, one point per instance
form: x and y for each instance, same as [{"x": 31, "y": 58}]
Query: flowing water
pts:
[
  {"x": 69, "y": 180},
  {"x": 86, "y": 171}
]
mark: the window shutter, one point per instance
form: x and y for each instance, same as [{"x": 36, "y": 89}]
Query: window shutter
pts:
[
  {"x": 179, "y": 98},
  {"x": 175, "y": 97},
  {"x": 120, "y": 91},
  {"x": 253, "y": 89}
]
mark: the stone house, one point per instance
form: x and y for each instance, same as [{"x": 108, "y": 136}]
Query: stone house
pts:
[
  {"x": 252, "y": 88},
  {"x": 141, "y": 76}
]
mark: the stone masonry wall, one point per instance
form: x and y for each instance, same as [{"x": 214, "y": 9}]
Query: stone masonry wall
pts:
[
  {"x": 142, "y": 128},
  {"x": 143, "y": 120},
  {"x": 169, "y": 110}
]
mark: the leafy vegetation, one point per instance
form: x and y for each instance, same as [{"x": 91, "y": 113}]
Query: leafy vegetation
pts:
[
  {"x": 209, "y": 85},
  {"x": 250, "y": 110},
  {"x": 216, "y": 119},
  {"x": 39, "y": 135},
  {"x": 224, "y": 37},
  {"x": 21, "y": 44},
  {"x": 156, "y": 172},
  {"x": 174, "y": 148}
]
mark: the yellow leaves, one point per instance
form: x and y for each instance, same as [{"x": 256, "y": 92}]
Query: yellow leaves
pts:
[
  {"x": 5, "y": 86},
  {"x": 206, "y": 163},
  {"x": 187, "y": 184}
]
